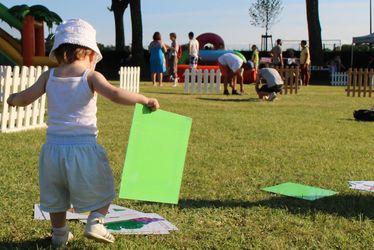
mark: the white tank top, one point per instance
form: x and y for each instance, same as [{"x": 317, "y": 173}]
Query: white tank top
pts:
[{"x": 71, "y": 106}]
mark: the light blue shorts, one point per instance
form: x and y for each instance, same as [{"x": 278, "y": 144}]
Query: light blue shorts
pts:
[{"x": 74, "y": 170}]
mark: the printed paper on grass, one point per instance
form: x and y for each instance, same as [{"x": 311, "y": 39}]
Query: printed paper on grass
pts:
[
  {"x": 155, "y": 156},
  {"x": 300, "y": 191}
]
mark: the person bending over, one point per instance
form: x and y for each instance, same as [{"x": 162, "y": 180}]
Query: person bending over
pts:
[{"x": 232, "y": 66}]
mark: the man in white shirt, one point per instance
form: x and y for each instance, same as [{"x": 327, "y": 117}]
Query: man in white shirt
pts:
[
  {"x": 193, "y": 50},
  {"x": 232, "y": 66},
  {"x": 272, "y": 84}
]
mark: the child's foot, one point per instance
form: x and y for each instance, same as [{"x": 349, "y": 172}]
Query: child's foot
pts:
[
  {"x": 226, "y": 92},
  {"x": 96, "y": 230},
  {"x": 61, "y": 236}
]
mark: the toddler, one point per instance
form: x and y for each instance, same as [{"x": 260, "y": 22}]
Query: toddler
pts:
[{"x": 73, "y": 168}]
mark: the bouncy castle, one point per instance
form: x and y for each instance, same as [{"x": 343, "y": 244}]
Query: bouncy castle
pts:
[
  {"x": 208, "y": 58},
  {"x": 29, "y": 21}
]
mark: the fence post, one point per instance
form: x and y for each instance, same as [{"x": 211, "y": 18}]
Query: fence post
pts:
[
  {"x": 186, "y": 80},
  {"x": 218, "y": 81}
]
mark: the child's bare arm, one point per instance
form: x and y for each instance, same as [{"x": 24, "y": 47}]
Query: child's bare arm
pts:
[
  {"x": 30, "y": 94},
  {"x": 117, "y": 95}
]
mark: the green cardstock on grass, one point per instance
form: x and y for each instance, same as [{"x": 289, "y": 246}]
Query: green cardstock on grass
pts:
[
  {"x": 299, "y": 191},
  {"x": 155, "y": 156}
]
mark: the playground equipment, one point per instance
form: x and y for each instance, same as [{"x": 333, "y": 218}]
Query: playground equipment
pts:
[
  {"x": 208, "y": 58},
  {"x": 29, "y": 21}
]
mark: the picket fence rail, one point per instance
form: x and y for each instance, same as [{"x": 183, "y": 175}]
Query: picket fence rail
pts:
[
  {"x": 13, "y": 119},
  {"x": 129, "y": 78},
  {"x": 339, "y": 79},
  {"x": 199, "y": 81},
  {"x": 360, "y": 82}
]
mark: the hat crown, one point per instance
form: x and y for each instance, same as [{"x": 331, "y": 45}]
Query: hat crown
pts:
[{"x": 78, "y": 32}]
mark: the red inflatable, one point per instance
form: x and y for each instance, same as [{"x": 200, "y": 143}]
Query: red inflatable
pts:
[{"x": 211, "y": 38}]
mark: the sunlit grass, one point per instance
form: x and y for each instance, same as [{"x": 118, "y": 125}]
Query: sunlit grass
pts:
[{"x": 237, "y": 146}]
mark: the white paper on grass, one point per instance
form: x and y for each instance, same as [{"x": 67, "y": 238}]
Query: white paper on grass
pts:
[
  {"x": 161, "y": 226},
  {"x": 113, "y": 211},
  {"x": 362, "y": 185},
  {"x": 118, "y": 213}
]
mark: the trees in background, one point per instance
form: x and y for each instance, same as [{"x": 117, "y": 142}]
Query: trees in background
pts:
[
  {"x": 264, "y": 14},
  {"x": 137, "y": 33},
  {"x": 118, "y": 8},
  {"x": 314, "y": 30}
]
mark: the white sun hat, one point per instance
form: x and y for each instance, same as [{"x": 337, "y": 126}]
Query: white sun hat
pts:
[{"x": 78, "y": 32}]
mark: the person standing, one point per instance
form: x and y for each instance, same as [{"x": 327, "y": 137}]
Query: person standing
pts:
[
  {"x": 255, "y": 57},
  {"x": 304, "y": 63},
  {"x": 157, "y": 49},
  {"x": 193, "y": 50},
  {"x": 276, "y": 53},
  {"x": 173, "y": 58}
]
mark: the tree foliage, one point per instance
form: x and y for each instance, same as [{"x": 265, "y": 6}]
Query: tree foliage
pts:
[{"x": 265, "y": 13}]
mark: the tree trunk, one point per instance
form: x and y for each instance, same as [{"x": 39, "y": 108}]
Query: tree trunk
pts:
[
  {"x": 314, "y": 30},
  {"x": 118, "y": 7},
  {"x": 137, "y": 33}
]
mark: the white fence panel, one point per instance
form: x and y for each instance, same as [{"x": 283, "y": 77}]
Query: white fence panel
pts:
[
  {"x": 198, "y": 81},
  {"x": 339, "y": 79},
  {"x": 15, "y": 119},
  {"x": 129, "y": 78}
]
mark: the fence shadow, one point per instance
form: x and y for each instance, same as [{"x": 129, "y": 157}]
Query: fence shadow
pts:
[
  {"x": 347, "y": 206},
  {"x": 228, "y": 100}
]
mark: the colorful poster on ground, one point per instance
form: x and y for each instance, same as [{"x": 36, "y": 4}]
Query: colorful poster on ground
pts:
[
  {"x": 113, "y": 212},
  {"x": 299, "y": 191},
  {"x": 362, "y": 185},
  {"x": 145, "y": 223},
  {"x": 121, "y": 220},
  {"x": 155, "y": 156}
]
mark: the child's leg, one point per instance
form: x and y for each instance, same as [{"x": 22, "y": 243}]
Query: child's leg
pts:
[
  {"x": 58, "y": 219},
  {"x": 60, "y": 231},
  {"x": 95, "y": 228}
]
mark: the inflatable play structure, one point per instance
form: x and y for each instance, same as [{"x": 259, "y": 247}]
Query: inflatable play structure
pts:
[
  {"x": 211, "y": 48},
  {"x": 29, "y": 21}
]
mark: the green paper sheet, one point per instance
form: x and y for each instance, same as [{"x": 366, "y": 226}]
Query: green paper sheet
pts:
[
  {"x": 299, "y": 191},
  {"x": 155, "y": 156}
]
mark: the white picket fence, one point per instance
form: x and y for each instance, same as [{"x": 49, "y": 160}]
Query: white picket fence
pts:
[
  {"x": 198, "y": 81},
  {"x": 13, "y": 119},
  {"x": 129, "y": 78},
  {"x": 339, "y": 79}
]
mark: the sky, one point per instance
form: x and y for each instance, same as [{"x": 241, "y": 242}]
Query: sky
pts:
[{"x": 340, "y": 19}]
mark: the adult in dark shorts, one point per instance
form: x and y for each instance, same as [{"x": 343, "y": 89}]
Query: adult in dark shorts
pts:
[{"x": 272, "y": 83}]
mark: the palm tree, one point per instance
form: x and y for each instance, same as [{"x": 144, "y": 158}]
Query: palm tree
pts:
[
  {"x": 137, "y": 33},
  {"x": 314, "y": 30},
  {"x": 118, "y": 7}
]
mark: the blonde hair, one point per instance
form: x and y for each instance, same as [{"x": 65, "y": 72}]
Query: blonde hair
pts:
[{"x": 68, "y": 53}]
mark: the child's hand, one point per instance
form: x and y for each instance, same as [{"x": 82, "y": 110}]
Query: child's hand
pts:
[
  {"x": 153, "y": 104},
  {"x": 10, "y": 99}
]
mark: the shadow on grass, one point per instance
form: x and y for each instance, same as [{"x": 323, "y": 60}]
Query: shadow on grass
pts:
[
  {"x": 348, "y": 206},
  {"x": 29, "y": 244},
  {"x": 228, "y": 100}
]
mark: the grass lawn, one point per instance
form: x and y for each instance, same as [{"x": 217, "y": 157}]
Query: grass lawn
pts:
[{"x": 237, "y": 146}]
